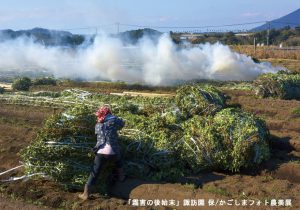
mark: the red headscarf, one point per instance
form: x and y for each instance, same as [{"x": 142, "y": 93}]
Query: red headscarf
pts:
[{"x": 102, "y": 113}]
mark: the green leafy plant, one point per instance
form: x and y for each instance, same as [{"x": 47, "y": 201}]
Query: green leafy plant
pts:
[
  {"x": 230, "y": 140},
  {"x": 23, "y": 83},
  {"x": 199, "y": 100},
  {"x": 44, "y": 81},
  {"x": 281, "y": 85}
]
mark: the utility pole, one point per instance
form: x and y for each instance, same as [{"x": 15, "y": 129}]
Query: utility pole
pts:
[
  {"x": 268, "y": 33},
  {"x": 254, "y": 45}
]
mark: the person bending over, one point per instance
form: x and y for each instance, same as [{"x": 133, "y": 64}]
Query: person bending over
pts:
[{"x": 106, "y": 149}]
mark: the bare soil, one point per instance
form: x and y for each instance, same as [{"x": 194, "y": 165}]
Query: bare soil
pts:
[
  {"x": 278, "y": 178},
  {"x": 7, "y": 203}
]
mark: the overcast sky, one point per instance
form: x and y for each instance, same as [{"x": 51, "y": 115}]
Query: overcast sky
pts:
[{"x": 68, "y": 14}]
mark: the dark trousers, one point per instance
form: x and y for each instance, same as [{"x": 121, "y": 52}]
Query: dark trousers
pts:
[{"x": 99, "y": 163}]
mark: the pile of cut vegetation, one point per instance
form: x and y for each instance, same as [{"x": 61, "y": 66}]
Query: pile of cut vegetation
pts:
[
  {"x": 199, "y": 100},
  {"x": 230, "y": 140},
  {"x": 281, "y": 85},
  {"x": 192, "y": 132}
]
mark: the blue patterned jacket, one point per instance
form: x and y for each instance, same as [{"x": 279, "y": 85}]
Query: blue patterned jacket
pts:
[{"x": 107, "y": 132}]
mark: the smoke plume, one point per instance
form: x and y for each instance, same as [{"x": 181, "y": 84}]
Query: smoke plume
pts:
[{"x": 148, "y": 62}]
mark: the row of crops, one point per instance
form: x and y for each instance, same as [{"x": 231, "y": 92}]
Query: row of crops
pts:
[{"x": 71, "y": 97}]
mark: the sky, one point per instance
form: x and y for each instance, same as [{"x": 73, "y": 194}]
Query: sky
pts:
[{"x": 104, "y": 14}]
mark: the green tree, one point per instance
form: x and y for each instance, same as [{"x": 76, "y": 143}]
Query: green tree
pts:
[
  {"x": 75, "y": 39},
  {"x": 230, "y": 38},
  {"x": 23, "y": 83},
  {"x": 44, "y": 81},
  {"x": 297, "y": 30}
]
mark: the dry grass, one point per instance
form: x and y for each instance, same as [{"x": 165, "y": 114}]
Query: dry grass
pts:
[
  {"x": 267, "y": 52},
  {"x": 289, "y": 59},
  {"x": 293, "y": 65}
]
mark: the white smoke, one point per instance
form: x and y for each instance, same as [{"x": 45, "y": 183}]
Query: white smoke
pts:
[{"x": 155, "y": 63}]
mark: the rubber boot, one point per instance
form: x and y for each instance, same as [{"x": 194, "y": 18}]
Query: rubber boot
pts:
[{"x": 85, "y": 195}]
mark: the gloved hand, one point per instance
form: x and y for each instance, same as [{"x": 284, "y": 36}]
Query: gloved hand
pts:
[{"x": 95, "y": 150}]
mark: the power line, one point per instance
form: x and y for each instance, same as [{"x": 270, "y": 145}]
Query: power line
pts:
[
  {"x": 285, "y": 22},
  {"x": 151, "y": 26},
  {"x": 208, "y": 26},
  {"x": 118, "y": 24},
  {"x": 87, "y": 27}
]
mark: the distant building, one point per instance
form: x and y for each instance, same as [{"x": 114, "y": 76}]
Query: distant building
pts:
[
  {"x": 243, "y": 34},
  {"x": 190, "y": 36}
]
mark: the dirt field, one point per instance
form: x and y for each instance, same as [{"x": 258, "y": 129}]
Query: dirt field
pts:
[
  {"x": 7, "y": 203},
  {"x": 279, "y": 178}
]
